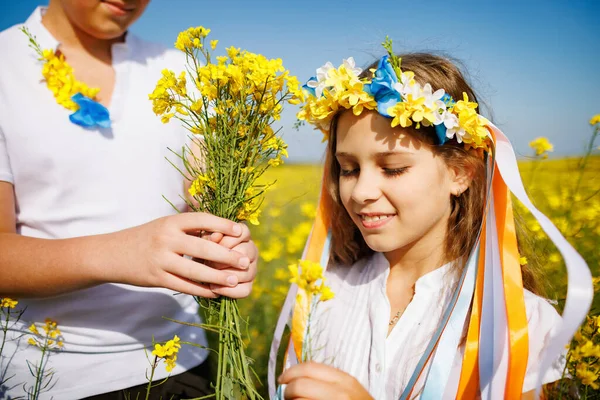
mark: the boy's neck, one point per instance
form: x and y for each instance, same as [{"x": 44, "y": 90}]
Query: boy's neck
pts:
[{"x": 70, "y": 36}]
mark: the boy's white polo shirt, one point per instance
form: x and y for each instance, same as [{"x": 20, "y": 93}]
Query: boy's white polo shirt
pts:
[{"x": 70, "y": 182}]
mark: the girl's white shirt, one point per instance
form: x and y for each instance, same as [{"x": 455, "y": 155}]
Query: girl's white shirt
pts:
[
  {"x": 72, "y": 182},
  {"x": 350, "y": 332}
]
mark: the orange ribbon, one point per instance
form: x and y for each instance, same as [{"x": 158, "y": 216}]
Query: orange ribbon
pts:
[
  {"x": 513, "y": 289},
  {"x": 314, "y": 252}
]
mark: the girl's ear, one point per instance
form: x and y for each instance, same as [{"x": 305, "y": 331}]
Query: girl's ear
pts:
[{"x": 460, "y": 176}]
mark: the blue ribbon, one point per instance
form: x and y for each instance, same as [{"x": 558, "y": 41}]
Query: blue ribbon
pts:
[{"x": 91, "y": 114}]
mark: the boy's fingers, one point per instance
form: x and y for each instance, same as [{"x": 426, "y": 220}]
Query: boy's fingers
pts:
[
  {"x": 198, "y": 221},
  {"x": 197, "y": 272}
]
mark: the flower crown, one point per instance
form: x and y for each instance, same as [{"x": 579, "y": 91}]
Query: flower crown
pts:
[{"x": 394, "y": 94}]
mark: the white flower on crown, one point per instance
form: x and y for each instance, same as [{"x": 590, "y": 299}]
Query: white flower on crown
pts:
[
  {"x": 320, "y": 83},
  {"x": 433, "y": 102},
  {"x": 350, "y": 65},
  {"x": 452, "y": 127},
  {"x": 404, "y": 84}
]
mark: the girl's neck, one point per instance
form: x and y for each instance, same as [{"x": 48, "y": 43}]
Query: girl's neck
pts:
[
  {"x": 417, "y": 259},
  {"x": 73, "y": 38}
]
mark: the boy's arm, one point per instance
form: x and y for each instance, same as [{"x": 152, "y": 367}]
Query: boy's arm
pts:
[
  {"x": 148, "y": 255},
  {"x": 31, "y": 267}
]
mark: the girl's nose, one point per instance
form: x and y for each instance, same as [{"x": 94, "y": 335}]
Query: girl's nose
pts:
[{"x": 366, "y": 188}]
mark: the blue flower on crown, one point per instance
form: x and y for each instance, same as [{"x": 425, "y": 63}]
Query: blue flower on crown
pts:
[
  {"x": 91, "y": 114},
  {"x": 310, "y": 89},
  {"x": 382, "y": 87}
]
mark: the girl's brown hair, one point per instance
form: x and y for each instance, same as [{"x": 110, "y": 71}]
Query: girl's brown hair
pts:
[{"x": 348, "y": 245}]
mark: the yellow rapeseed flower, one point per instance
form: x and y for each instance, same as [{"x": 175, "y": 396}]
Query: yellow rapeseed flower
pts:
[
  {"x": 7, "y": 302},
  {"x": 192, "y": 38},
  {"x": 168, "y": 352},
  {"x": 309, "y": 276},
  {"x": 33, "y": 329},
  {"x": 595, "y": 119},
  {"x": 541, "y": 146},
  {"x": 588, "y": 376},
  {"x": 198, "y": 186},
  {"x": 523, "y": 260}
]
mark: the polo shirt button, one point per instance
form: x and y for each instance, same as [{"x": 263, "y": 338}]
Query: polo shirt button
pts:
[{"x": 378, "y": 367}]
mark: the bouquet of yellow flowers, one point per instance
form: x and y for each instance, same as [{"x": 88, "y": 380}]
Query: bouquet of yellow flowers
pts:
[{"x": 229, "y": 107}]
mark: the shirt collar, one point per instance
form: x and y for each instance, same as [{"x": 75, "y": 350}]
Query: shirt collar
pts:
[
  {"x": 47, "y": 41},
  {"x": 432, "y": 282}
]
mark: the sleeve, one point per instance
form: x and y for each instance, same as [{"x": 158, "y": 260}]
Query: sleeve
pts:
[
  {"x": 543, "y": 320},
  {"x": 5, "y": 169}
]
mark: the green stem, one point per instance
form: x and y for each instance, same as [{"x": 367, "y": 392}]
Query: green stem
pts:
[
  {"x": 218, "y": 392},
  {"x": 40, "y": 370},
  {"x": 535, "y": 164},
  {"x": 584, "y": 161},
  {"x": 581, "y": 168},
  {"x": 247, "y": 375},
  {"x": 560, "y": 388},
  {"x": 151, "y": 377},
  {"x": 5, "y": 329}
]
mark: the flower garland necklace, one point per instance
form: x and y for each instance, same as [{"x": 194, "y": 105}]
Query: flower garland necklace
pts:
[{"x": 70, "y": 93}]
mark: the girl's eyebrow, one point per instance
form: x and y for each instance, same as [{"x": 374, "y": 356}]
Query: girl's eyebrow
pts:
[
  {"x": 383, "y": 154},
  {"x": 393, "y": 153}
]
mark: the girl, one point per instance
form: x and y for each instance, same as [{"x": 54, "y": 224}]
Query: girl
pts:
[
  {"x": 430, "y": 299},
  {"x": 86, "y": 237}
]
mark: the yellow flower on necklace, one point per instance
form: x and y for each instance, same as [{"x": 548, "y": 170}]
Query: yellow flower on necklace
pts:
[{"x": 68, "y": 92}]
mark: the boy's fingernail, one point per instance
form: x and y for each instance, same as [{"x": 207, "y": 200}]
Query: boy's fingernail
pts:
[
  {"x": 232, "y": 280},
  {"x": 237, "y": 229},
  {"x": 244, "y": 262}
]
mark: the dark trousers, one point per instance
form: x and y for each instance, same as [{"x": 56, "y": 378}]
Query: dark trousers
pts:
[{"x": 188, "y": 385}]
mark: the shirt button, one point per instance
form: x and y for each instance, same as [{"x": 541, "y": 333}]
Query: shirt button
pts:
[{"x": 378, "y": 367}]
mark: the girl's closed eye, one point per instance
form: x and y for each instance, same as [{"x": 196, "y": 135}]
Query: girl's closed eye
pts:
[
  {"x": 348, "y": 171},
  {"x": 394, "y": 171}
]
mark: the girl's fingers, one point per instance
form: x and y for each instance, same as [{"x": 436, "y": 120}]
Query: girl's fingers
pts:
[
  {"x": 200, "y": 273},
  {"x": 198, "y": 221},
  {"x": 308, "y": 388},
  {"x": 179, "y": 284},
  {"x": 313, "y": 370},
  {"x": 216, "y": 237},
  {"x": 210, "y": 251},
  {"x": 241, "y": 291},
  {"x": 247, "y": 248},
  {"x": 230, "y": 242},
  {"x": 246, "y": 275}
]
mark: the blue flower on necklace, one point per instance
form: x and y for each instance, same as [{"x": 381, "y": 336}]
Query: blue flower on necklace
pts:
[
  {"x": 382, "y": 87},
  {"x": 91, "y": 114}
]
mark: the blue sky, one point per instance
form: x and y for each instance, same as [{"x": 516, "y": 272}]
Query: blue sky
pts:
[{"x": 535, "y": 63}]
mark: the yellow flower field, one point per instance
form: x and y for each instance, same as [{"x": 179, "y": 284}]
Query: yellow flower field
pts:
[{"x": 289, "y": 208}]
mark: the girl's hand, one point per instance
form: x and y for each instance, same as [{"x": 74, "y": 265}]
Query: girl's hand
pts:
[
  {"x": 244, "y": 245},
  {"x": 151, "y": 255},
  {"x": 314, "y": 381}
]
